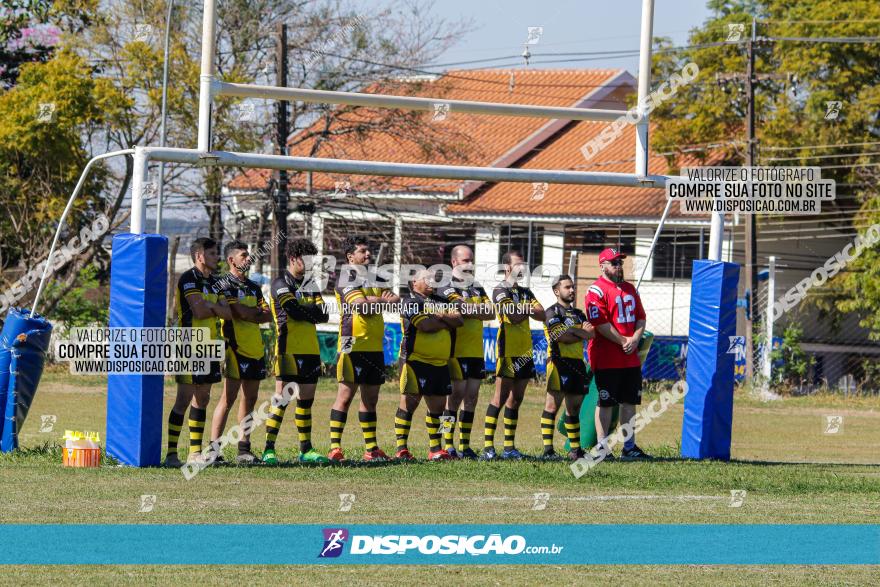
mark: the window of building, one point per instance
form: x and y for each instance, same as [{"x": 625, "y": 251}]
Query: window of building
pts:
[
  {"x": 675, "y": 253},
  {"x": 516, "y": 238}
]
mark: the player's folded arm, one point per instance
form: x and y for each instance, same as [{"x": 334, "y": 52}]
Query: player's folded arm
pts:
[
  {"x": 451, "y": 294},
  {"x": 201, "y": 308},
  {"x": 357, "y": 300},
  {"x": 483, "y": 310},
  {"x": 537, "y": 310},
  {"x": 454, "y": 319},
  {"x": 427, "y": 323},
  {"x": 562, "y": 333},
  {"x": 321, "y": 313},
  {"x": 302, "y": 312}
]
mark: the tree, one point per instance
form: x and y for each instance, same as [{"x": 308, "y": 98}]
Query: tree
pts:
[
  {"x": 792, "y": 111},
  {"x": 331, "y": 47},
  {"x": 26, "y": 35},
  {"x": 106, "y": 87},
  {"x": 43, "y": 122}
]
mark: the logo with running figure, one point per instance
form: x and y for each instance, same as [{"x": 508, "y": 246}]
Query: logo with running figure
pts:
[{"x": 334, "y": 540}]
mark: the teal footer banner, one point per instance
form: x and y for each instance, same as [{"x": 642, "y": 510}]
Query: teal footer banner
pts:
[{"x": 139, "y": 544}]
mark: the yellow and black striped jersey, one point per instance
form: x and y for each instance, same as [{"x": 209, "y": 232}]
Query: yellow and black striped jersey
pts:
[
  {"x": 243, "y": 337},
  {"x": 468, "y": 338},
  {"x": 194, "y": 283},
  {"x": 558, "y": 320},
  {"x": 434, "y": 348},
  {"x": 296, "y": 311},
  {"x": 514, "y": 340},
  {"x": 365, "y": 331}
]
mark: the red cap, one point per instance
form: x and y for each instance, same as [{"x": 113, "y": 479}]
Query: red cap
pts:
[{"x": 610, "y": 255}]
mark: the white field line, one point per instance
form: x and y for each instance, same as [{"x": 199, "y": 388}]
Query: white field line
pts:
[{"x": 594, "y": 498}]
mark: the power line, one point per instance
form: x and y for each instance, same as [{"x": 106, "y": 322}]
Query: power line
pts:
[
  {"x": 826, "y": 39},
  {"x": 831, "y": 146},
  {"x": 842, "y": 155}
]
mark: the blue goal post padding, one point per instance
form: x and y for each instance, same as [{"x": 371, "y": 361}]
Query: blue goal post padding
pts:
[
  {"x": 138, "y": 280},
  {"x": 708, "y": 405},
  {"x": 24, "y": 341}
]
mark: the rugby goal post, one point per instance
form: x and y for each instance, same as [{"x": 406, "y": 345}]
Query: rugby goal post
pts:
[{"x": 135, "y": 400}]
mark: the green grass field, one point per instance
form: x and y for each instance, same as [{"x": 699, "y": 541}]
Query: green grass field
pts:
[{"x": 792, "y": 471}]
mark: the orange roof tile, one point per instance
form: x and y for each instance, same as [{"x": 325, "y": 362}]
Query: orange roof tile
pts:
[{"x": 564, "y": 153}]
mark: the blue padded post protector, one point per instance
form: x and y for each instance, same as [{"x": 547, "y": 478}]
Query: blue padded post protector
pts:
[
  {"x": 23, "y": 345},
  {"x": 138, "y": 277},
  {"x": 708, "y": 405}
]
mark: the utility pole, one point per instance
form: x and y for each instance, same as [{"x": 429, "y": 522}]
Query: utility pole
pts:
[
  {"x": 751, "y": 240},
  {"x": 282, "y": 192}
]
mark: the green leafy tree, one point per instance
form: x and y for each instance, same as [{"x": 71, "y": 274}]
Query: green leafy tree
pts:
[
  {"x": 86, "y": 304},
  {"x": 26, "y": 35},
  {"x": 809, "y": 72},
  {"x": 45, "y": 122},
  {"x": 795, "y": 364}
]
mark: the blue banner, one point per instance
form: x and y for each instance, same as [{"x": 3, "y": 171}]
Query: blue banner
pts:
[
  {"x": 662, "y": 544},
  {"x": 667, "y": 356}
]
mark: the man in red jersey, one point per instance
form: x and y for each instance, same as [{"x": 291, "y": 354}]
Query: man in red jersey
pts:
[{"x": 615, "y": 311}]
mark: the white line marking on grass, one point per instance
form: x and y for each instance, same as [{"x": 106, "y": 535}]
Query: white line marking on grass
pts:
[{"x": 594, "y": 498}]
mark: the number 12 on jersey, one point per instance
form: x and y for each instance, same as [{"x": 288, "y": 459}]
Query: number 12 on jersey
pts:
[{"x": 626, "y": 309}]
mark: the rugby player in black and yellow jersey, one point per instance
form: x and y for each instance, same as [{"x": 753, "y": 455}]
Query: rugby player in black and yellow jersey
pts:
[
  {"x": 568, "y": 376},
  {"x": 245, "y": 354},
  {"x": 466, "y": 366},
  {"x": 515, "y": 365},
  {"x": 425, "y": 350},
  {"x": 297, "y": 306},
  {"x": 199, "y": 304},
  {"x": 361, "y": 360}
]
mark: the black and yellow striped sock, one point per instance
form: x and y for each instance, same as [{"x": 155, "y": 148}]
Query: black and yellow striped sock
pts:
[
  {"x": 573, "y": 430},
  {"x": 337, "y": 425},
  {"x": 466, "y": 421},
  {"x": 175, "y": 423},
  {"x": 196, "y": 429},
  {"x": 490, "y": 424},
  {"x": 273, "y": 424},
  {"x": 511, "y": 416},
  {"x": 368, "y": 427},
  {"x": 449, "y": 430},
  {"x": 547, "y": 419},
  {"x": 402, "y": 424},
  {"x": 303, "y": 419},
  {"x": 432, "y": 423}
]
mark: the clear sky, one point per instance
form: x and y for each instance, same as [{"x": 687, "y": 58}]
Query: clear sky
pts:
[{"x": 501, "y": 29}]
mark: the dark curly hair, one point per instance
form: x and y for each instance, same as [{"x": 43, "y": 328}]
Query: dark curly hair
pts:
[
  {"x": 301, "y": 247},
  {"x": 350, "y": 244}
]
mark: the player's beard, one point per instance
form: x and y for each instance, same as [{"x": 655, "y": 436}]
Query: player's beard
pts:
[{"x": 614, "y": 275}]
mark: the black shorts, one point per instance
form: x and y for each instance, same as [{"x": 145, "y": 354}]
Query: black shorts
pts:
[
  {"x": 619, "y": 386},
  {"x": 212, "y": 377},
  {"x": 303, "y": 369},
  {"x": 240, "y": 367},
  {"x": 366, "y": 367},
  {"x": 569, "y": 376},
  {"x": 515, "y": 367},
  {"x": 461, "y": 368},
  {"x": 424, "y": 379}
]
